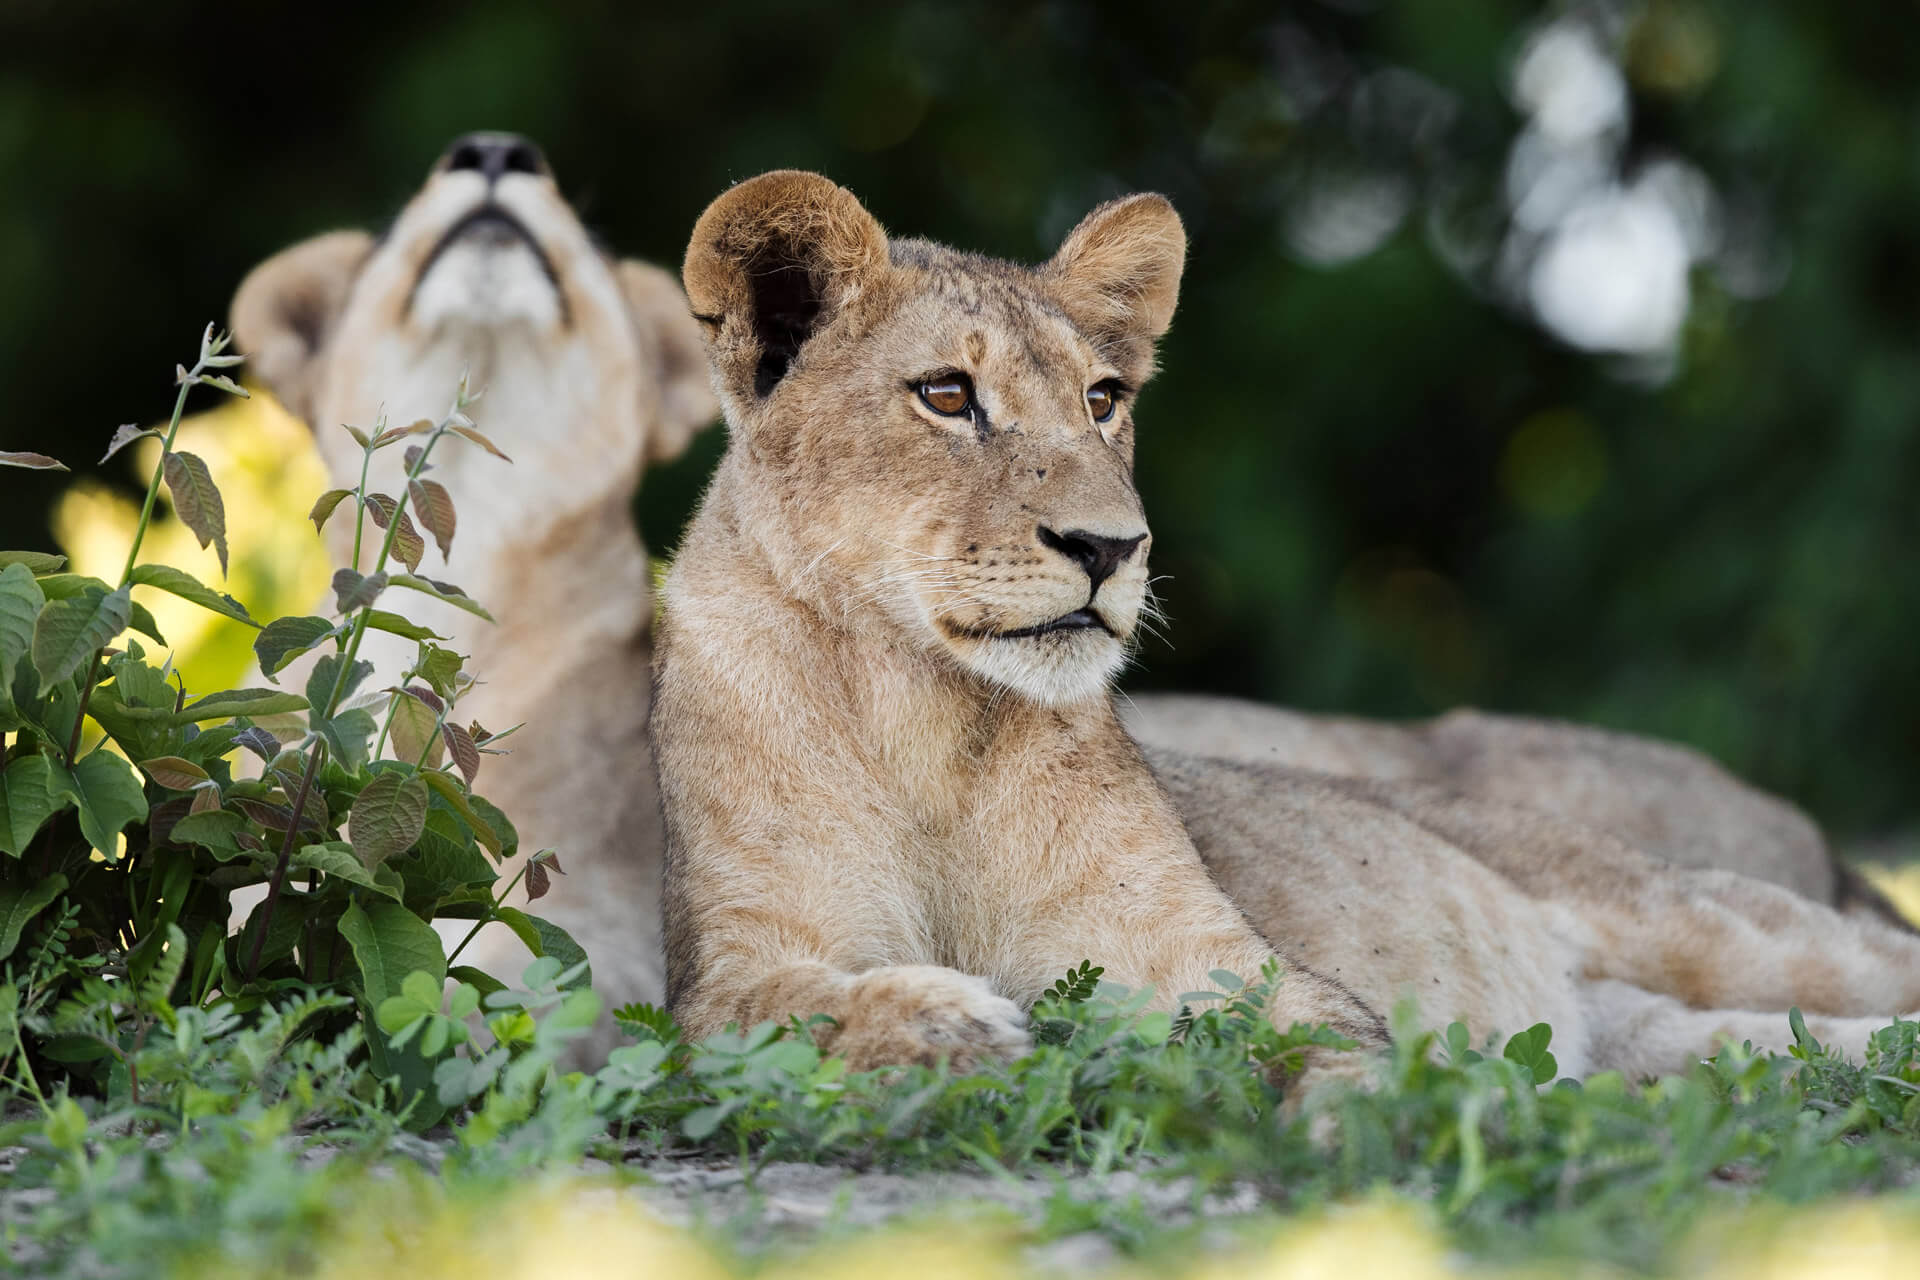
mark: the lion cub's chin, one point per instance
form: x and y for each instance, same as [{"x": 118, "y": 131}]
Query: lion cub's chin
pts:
[{"x": 1052, "y": 670}]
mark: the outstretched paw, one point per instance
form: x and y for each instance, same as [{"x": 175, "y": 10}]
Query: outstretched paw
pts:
[{"x": 921, "y": 1013}]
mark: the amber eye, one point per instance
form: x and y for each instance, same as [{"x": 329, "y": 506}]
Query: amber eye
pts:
[
  {"x": 950, "y": 394},
  {"x": 1102, "y": 398}
]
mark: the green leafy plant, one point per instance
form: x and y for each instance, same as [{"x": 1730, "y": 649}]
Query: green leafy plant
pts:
[{"x": 126, "y": 823}]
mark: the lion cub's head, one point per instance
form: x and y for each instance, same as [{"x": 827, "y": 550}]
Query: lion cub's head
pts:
[
  {"x": 945, "y": 440},
  {"x": 589, "y": 365}
]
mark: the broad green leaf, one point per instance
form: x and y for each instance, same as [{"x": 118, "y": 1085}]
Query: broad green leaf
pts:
[
  {"x": 439, "y": 668},
  {"x": 28, "y": 798},
  {"x": 69, "y": 632},
  {"x": 456, "y": 796},
  {"x": 174, "y": 773},
  {"x": 283, "y": 929},
  {"x": 20, "y": 602},
  {"x": 381, "y": 620},
  {"x": 445, "y": 591},
  {"x": 108, "y": 794},
  {"x": 444, "y": 863},
  {"x": 434, "y": 506},
  {"x": 501, "y": 825},
  {"x": 142, "y": 621},
  {"x": 197, "y": 501},
  {"x": 228, "y": 703},
  {"x": 389, "y": 942},
  {"x": 284, "y": 639},
  {"x": 336, "y": 858},
  {"x": 328, "y": 688},
  {"x": 485, "y": 983},
  {"x": 187, "y": 587},
  {"x": 31, "y": 461},
  {"x": 20, "y": 903},
  {"x": 557, "y": 944},
  {"x": 325, "y": 505},
  {"x": 349, "y": 736},
  {"x": 35, "y": 561},
  {"x": 63, "y": 586},
  {"x": 547, "y": 939},
  {"x": 387, "y": 816},
  {"x": 215, "y": 830}
]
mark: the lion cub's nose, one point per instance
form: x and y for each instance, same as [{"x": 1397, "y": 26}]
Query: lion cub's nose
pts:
[
  {"x": 1098, "y": 554},
  {"x": 492, "y": 154}
]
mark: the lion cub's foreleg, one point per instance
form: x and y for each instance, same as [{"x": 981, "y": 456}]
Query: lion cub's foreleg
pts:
[{"x": 887, "y": 1016}]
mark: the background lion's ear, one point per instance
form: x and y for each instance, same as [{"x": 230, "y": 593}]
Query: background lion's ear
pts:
[
  {"x": 670, "y": 344},
  {"x": 771, "y": 261},
  {"x": 1118, "y": 274},
  {"x": 286, "y": 307}
]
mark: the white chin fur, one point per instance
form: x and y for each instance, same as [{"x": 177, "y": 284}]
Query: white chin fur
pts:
[
  {"x": 1051, "y": 670},
  {"x": 487, "y": 284}
]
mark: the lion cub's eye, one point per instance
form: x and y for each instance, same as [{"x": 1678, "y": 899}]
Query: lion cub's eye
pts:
[
  {"x": 1102, "y": 399},
  {"x": 950, "y": 394}
]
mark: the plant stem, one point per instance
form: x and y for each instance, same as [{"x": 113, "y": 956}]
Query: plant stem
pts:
[
  {"x": 386, "y": 550},
  {"x": 360, "y": 504},
  {"x": 80, "y": 716},
  {"x": 153, "y": 485},
  {"x": 488, "y": 918},
  {"x": 286, "y": 854}
]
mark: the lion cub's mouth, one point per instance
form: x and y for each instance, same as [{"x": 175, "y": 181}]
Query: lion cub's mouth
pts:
[
  {"x": 1079, "y": 620},
  {"x": 493, "y": 226}
]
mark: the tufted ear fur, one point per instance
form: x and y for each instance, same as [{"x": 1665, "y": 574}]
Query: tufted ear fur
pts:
[
  {"x": 1118, "y": 274},
  {"x": 771, "y": 261},
  {"x": 286, "y": 307},
  {"x": 670, "y": 343}
]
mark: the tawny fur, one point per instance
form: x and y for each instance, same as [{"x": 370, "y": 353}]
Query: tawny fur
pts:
[
  {"x": 886, "y": 804},
  {"x": 588, "y": 367},
  {"x": 1667, "y": 801}
]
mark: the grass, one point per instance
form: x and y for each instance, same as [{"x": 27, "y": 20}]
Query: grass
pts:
[{"x": 260, "y": 1151}]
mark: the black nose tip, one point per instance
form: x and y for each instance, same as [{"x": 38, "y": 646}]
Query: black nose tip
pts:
[
  {"x": 1098, "y": 554},
  {"x": 493, "y": 154}
]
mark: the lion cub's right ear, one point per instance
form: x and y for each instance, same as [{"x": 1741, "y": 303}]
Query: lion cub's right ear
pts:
[
  {"x": 771, "y": 262},
  {"x": 286, "y": 307}
]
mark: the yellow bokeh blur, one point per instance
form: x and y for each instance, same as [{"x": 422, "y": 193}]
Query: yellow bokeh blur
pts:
[
  {"x": 590, "y": 1231},
  {"x": 1901, "y": 884},
  {"x": 268, "y": 471}
]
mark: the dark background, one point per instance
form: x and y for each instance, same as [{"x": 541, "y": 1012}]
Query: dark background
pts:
[{"x": 1381, "y": 480}]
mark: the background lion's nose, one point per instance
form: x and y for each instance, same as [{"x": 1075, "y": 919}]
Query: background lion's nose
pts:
[
  {"x": 1098, "y": 554},
  {"x": 493, "y": 154}
]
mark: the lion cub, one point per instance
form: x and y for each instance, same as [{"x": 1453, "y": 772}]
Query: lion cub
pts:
[
  {"x": 589, "y": 369},
  {"x": 896, "y": 788}
]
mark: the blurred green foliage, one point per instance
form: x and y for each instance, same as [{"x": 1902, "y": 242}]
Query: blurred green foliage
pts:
[{"x": 1378, "y": 483}]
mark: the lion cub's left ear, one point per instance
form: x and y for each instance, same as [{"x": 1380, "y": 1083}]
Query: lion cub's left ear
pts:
[
  {"x": 1118, "y": 275},
  {"x": 285, "y": 310},
  {"x": 670, "y": 345}
]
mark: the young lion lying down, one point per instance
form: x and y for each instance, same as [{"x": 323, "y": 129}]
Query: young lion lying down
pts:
[{"x": 896, "y": 789}]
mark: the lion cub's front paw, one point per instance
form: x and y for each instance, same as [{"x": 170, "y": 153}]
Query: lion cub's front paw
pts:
[{"x": 922, "y": 1013}]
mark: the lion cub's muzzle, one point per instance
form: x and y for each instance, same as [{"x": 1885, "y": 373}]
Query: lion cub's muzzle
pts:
[{"x": 1097, "y": 553}]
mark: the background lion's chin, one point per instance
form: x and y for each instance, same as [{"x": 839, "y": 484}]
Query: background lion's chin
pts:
[{"x": 1050, "y": 670}]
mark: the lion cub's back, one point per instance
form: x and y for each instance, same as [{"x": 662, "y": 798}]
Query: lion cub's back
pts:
[{"x": 1363, "y": 895}]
